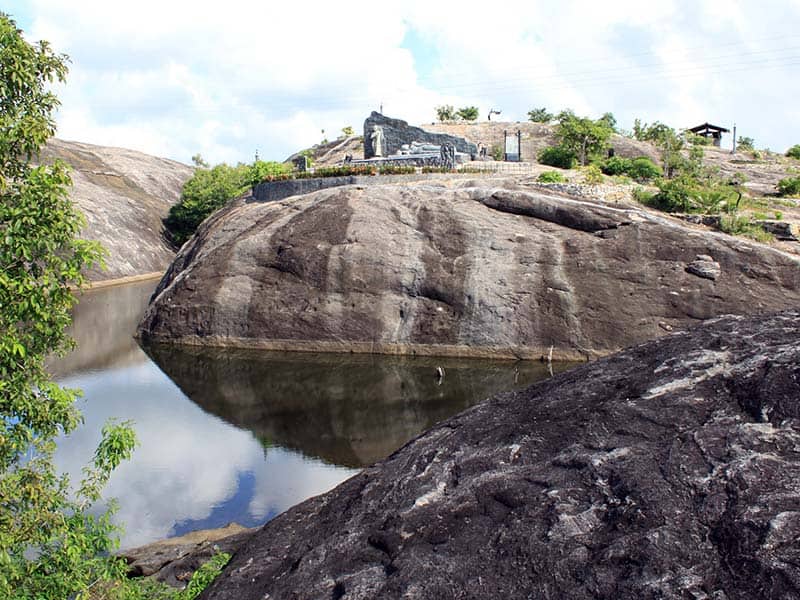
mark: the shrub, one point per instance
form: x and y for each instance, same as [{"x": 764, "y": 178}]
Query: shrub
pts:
[
  {"x": 592, "y": 175},
  {"x": 746, "y": 144},
  {"x": 697, "y": 140},
  {"x": 789, "y": 186},
  {"x": 551, "y": 177},
  {"x": 794, "y": 151},
  {"x": 643, "y": 169},
  {"x": 616, "y": 165},
  {"x": 497, "y": 153},
  {"x": 686, "y": 194},
  {"x": 262, "y": 170},
  {"x": 557, "y": 156},
  {"x": 743, "y": 225},
  {"x": 396, "y": 170}
]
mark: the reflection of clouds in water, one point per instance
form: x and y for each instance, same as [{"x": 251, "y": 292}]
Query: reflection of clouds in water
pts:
[
  {"x": 188, "y": 462},
  {"x": 287, "y": 478}
]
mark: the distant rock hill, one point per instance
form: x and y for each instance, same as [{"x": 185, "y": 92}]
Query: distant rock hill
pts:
[{"x": 124, "y": 195}]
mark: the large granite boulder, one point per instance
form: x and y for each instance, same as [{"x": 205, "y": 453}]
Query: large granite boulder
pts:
[
  {"x": 397, "y": 132},
  {"x": 482, "y": 268},
  {"x": 124, "y": 194},
  {"x": 670, "y": 470}
]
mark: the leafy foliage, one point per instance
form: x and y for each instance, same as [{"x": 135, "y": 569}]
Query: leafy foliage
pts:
[
  {"x": 794, "y": 152},
  {"x": 582, "y": 136},
  {"x": 540, "y": 115},
  {"x": 150, "y": 589},
  {"x": 744, "y": 225},
  {"x": 468, "y": 113},
  {"x": 347, "y": 131},
  {"x": 557, "y": 156},
  {"x": 790, "y": 186},
  {"x": 641, "y": 169},
  {"x": 50, "y": 545},
  {"x": 198, "y": 161},
  {"x": 210, "y": 189},
  {"x": 686, "y": 194},
  {"x": 446, "y": 112},
  {"x": 745, "y": 143},
  {"x": 551, "y": 177},
  {"x": 592, "y": 175},
  {"x": 396, "y": 170},
  {"x": 610, "y": 120},
  {"x": 667, "y": 140}
]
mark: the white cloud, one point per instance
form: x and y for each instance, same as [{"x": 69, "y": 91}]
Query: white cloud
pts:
[
  {"x": 188, "y": 462},
  {"x": 174, "y": 78}
]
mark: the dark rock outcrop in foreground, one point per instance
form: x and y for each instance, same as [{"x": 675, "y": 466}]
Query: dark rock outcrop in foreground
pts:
[
  {"x": 124, "y": 195},
  {"x": 670, "y": 470},
  {"x": 460, "y": 268}
]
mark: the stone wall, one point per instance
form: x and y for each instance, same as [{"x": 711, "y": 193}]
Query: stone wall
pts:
[
  {"x": 397, "y": 132},
  {"x": 270, "y": 191}
]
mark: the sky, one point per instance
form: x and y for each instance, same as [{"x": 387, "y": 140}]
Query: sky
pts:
[
  {"x": 173, "y": 484},
  {"x": 231, "y": 79}
]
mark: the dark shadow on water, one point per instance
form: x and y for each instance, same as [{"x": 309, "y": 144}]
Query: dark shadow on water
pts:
[{"x": 350, "y": 410}]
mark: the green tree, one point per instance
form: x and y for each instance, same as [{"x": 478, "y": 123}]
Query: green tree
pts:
[
  {"x": 670, "y": 143},
  {"x": 50, "y": 546},
  {"x": 610, "y": 120},
  {"x": 210, "y": 189},
  {"x": 582, "y": 136},
  {"x": 348, "y": 131},
  {"x": 540, "y": 115},
  {"x": 468, "y": 113},
  {"x": 446, "y": 112}
]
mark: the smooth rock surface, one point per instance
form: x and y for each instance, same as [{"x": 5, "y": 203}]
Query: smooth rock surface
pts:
[
  {"x": 670, "y": 470},
  {"x": 468, "y": 268},
  {"x": 124, "y": 194}
]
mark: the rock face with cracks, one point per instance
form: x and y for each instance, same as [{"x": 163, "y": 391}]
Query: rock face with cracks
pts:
[
  {"x": 670, "y": 470},
  {"x": 467, "y": 268}
]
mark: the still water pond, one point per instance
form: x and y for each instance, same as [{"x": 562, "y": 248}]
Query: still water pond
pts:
[{"x": 239, "y": 435}]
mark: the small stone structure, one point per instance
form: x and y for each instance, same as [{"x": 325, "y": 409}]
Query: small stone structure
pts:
[{"x": 390, "y": 135}]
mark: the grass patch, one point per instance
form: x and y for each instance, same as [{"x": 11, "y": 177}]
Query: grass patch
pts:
[{"x": 744, "y": 226}]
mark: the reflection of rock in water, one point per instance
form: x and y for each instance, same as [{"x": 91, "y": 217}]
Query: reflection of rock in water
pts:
[
  {"x": 103, "y": 322},
  {"x": 347, "y": 409}
]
